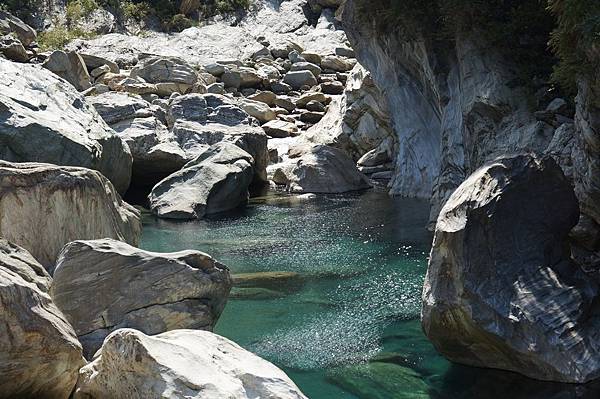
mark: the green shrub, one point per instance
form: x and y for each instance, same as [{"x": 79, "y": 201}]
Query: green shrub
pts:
[
  {"x": 78, "y": 9},
  {"x": 57, "y": 38},
  {"x": 177, "y": 23},
  {"x": 577, "y": 30}
]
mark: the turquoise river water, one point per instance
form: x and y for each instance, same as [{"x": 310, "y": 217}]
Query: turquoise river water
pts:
[{"x": 349, "y": 326}]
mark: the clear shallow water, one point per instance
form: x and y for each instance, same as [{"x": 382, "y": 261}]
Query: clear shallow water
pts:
[{"x": 348, "y": 327}]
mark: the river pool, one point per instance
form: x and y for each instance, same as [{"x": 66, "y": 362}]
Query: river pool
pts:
[{"x": 347, "y": 326}]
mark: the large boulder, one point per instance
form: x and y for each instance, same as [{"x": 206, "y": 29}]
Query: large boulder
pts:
[
  {"x": 39, "y": 352},
  {"x": 71, "y": 67},
  {"x": 501, "y": 290},
  {"x": 321, "y": 169},
  {"x": 155, "y": 69},
  {"x": 43, "y": 207},
  {"x": 151, "y": 292},
  {"x": 11, "y": 24},
  {"x": 180, "y": 364},
  {"x": 216, "y": 181},
  {"x": 43, "y": 119},
  {"x": 200, "y": 121}
]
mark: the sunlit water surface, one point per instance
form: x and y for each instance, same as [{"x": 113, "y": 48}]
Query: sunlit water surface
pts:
[{"x": 349, "y": 326}]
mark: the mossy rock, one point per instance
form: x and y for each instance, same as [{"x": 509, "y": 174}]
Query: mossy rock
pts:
[{"x": 379, "y": 380}]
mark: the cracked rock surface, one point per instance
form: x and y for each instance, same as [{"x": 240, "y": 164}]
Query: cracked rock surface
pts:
[{"x": 151, "y": 292}]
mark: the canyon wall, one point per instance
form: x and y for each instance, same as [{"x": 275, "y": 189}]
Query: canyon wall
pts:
[{"x": 454, "y": 104}]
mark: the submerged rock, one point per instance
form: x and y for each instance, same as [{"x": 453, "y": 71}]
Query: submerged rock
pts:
[
  {"x": 379, "y": 380},
  {"x": 43, "y": 207},
  {"x": 39, "y": 352},
  {"x": 104, "y": 285},
  {"x": 43, "y": 119},
  {"x": 501, "y": 290},
  {"x": 214, "y": 182},
  {"x": 180, "y": 364}
]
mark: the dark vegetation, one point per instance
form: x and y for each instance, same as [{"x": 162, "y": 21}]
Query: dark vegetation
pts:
[{"x": 547, "y": 39}]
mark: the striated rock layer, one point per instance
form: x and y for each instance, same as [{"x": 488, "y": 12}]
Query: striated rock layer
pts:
[
  {"x": 44, "y": 119},
  {"x": 501, "y": 290},
  {"x": 43, "y": 207},
  {"x": 180, "y": 364},
  {"x": 151, "y": 292},
  {"x": 39, "y": 352}
]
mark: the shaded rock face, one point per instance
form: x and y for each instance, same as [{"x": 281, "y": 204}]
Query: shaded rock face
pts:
[
  {"x": 44, "y": 119},
  {"x": 501, "y": 290},
  {"x": 157, "y": 292},
  {"x": 39, "y": 352},
  {"x": 44, "y": 206},
  {"x": 455, "y": 107},
  {"x": 180, "y": 364},
  {"x": 216, "y": 181}
]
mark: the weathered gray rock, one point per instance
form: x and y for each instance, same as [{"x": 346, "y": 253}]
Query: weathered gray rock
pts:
[
  {"x": 151, "y": 292},
  {"x": 333, "y": 87},
  {"x": 43, "y": 119},
  {"x": 166, "y": 366},
  {"x": 241, "y": 77},
  {"x": 322, "y": 169},
  {"x": 92, "y": 62},
  {"x": 11, "y": 24},
  {"x": 216, "y": 181},
  {"x": 154, "y": 69},
  {"x": 13, "y": 49},
  {"x": 69, "y": 66},
  {"x": 258, "y": 110},
  {"x": 156, "y": 153},
  {"x": 297, "y": 79},
  {"x": 115, "y": 107},
  {"x": 336, "y": 63},
  {"x": 44, "y": 206},
  {"x": 267, "y": 97},
  {"x": 306, "y": 66},
  {"x": 279, "y": 129},
  {"x": 501, "y": 290},
  {"x": 39, "y": 352}
]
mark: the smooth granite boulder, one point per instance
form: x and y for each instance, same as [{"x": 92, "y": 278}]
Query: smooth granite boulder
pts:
[
  {"x": 43, "y": 207},
  {"x": 180, "y": 364},
  {"x": 103, "y": 285},
  {"x": 216, "y": 181},
  {"x": 39, "y": 353},
  {"x": 501, "y": 290},
  {"x": 44, "y": 119}
]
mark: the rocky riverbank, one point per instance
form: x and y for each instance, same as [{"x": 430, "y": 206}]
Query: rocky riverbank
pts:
[{"x": 299, "y": 96}]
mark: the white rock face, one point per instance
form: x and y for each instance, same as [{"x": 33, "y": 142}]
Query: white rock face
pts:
[
  {"x": 180, "y": 364},
  {"x": 44, "y": 206},
  {"x": 44, "y": 119},
  {"x": 151, "y": 292},
  {"x": 39, "y": 352}
]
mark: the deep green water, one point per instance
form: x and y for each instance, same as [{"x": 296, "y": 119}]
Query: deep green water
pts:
[{"x": 349, "y": 328}]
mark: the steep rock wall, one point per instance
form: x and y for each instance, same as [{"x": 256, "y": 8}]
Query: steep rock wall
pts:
[{"x": 453, "y": 105}]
